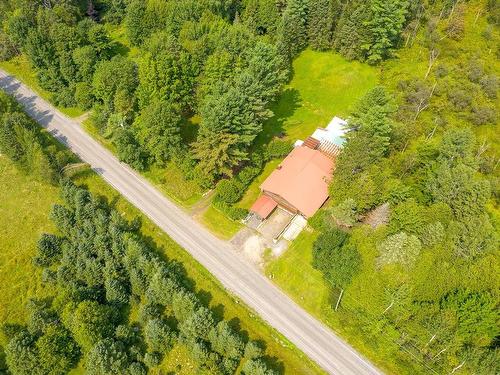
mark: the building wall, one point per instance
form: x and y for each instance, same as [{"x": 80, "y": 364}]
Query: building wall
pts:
[{"x": 282, "y": 202}]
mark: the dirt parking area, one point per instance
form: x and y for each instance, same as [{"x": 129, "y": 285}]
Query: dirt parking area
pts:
[{"x": 272, "y": 227}]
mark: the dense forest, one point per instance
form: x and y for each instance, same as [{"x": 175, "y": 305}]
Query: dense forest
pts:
[
  {"x": 420, "y": 165},
  {"x": 225, "y": 61}
]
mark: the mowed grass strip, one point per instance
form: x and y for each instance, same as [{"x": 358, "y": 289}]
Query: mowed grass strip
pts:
[{"x": 219, "y": 224}]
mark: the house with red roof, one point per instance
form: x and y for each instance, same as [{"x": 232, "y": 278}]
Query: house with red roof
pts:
[{"x": 299, "y": 184}]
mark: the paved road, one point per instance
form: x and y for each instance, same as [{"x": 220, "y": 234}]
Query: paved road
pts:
[{"x": 307, "y": 333}]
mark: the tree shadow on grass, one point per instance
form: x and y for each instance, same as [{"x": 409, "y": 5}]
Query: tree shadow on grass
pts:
[
  {"x": 283, "y": 109},
  {"x": 273, "y": 363},
  {"x": 235, "y": 324}
]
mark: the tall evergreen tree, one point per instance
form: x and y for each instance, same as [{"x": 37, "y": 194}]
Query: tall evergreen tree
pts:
[
  {"x": 323, "y": 15},
  {"x": 350, "y": 33},
  {"x": 135, "y": 24},
  {"x": 293, "y": 29},
  {"x": 158, "y": 130},
  {"x": 385, "y": 26},
  {"x": 166, "y": 73}
]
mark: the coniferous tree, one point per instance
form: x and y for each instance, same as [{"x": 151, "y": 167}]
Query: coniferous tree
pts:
[
  {"x": 166, "y": 73},
  {"x": 350, "y": 33},
  {"x": 385, "y": 26},
  {"x": 158, "y": 130},
  {"x": 293, "y": 29},
  {"x": 135, "y": 24},
  {"x": 322, "y": 18}
]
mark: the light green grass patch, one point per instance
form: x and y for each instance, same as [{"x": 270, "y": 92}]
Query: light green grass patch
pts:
[
  {"x": 20, "y": 68},
  {"x": 24, "y": 207},
  {"x": 294, "y": 273},
  {"x": 219, "y": 224},
  {"x": 170, "y": 180},
  {"x": 324, "y": 85}
]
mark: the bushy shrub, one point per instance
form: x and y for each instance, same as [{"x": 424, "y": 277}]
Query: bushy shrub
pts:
[
  {"x": 152, "y": 359},
  {"x": 159, "y": 336},
  {"x": 278, "y": 148},
  {"x": 247, "y": 175},
  {"x": 489, "y": 83},
  {"x": 7, "y": 48},
  {"x": 320, "y": 221},
  {"x": 228, "y": 191},
  {"x": 345, "y": 212},
  {"x": 460, "y": 98},
  {"x": 65, "y": 97},
  {"x": 433, "y": 234},
  {"x": 185, "y": 162},
  {"x": 128, "y": 149},
  {"x": 399, "y": 248},
  {"x": 336, "y": 258},
  {"x": 83, "y": 95},
  {"x": 235, "y": 213},
  {"x": 483, "y": 115}
]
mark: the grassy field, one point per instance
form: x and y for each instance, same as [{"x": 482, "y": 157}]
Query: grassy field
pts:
[
  {"x": 323, "y": 85},
  {"x": 21, "y": 69},
  {"x": 25, "y": 204}
]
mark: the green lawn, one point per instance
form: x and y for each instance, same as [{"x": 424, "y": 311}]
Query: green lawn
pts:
[
  {"x": 21, "y": 69},
  {"x": 324, "y": 85},
  {"x": 294, "y": 273},
  {"x": 219, "y": 224}
]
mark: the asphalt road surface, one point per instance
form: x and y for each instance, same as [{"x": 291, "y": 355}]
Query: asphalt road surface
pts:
[{"x": 308, "y": 334}]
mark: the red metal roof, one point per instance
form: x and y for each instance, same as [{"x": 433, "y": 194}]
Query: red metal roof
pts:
[
  {"x": 311, "y": 143},
  {"x": 264, "y": 206},
  {"x": 302, "y": 179}
]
